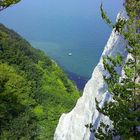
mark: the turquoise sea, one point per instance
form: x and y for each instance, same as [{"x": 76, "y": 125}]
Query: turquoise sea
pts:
[{"x": 63, "y": 27}]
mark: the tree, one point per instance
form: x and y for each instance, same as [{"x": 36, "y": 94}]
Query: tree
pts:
[
  {"x": 34, "y": 91},
  {"x": 7, "y": 3},
  {"x": 124, "y": 109}
]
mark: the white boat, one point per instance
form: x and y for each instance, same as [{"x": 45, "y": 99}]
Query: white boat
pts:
[{"x": 70, "y": 54}]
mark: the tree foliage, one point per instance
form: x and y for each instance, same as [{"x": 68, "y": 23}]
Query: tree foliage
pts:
[
  {"x": 34, "y": 91},
  {"x": 124, "y": 109},
  {"x": 6, "y": 3}
]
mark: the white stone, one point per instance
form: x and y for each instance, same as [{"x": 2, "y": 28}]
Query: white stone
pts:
[{"x": 71, "y": 126}]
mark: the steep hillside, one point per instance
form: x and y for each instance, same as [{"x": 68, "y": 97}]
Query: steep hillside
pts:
[{"x": 34, "y": 91}]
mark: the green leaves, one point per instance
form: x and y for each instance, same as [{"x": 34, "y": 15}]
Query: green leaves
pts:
[
  {"x": 124, "y": 110},
  {"x": 118, "y": 26},
  {"x": 39, "y": 112},
  {"x": 104, "y": 16},
  {"x": 6, "y": 3},
  {"x": 34, "y": 91}
]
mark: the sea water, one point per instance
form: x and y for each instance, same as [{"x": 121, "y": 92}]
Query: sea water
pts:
[{"x": 69, "y": 31}]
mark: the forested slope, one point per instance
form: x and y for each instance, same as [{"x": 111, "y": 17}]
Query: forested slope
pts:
[{"x": 34, "y": 91}]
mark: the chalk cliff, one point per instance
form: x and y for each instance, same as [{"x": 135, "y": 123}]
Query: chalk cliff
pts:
[{"x": 71, "y": 126}]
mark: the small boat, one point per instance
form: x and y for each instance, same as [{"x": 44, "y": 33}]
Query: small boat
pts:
[{"x": 70, "y": 54}]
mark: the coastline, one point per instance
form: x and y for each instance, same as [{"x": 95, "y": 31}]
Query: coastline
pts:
[{"x": 79, "y": 81}]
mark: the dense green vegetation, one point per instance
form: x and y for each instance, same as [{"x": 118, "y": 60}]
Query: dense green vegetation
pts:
[
  {"x": 7, "y": 3},
  {"x": 124, "y": 109},
  {"x": 34, "y": 91}
]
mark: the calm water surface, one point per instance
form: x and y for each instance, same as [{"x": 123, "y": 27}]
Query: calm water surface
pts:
[{"x": 60, "y": 27}]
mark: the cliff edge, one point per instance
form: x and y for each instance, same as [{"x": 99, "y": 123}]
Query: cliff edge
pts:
[{"x": 71, "y": 126}]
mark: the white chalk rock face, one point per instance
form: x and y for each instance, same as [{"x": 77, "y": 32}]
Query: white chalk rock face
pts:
[{"x": 71, "y": 126}]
